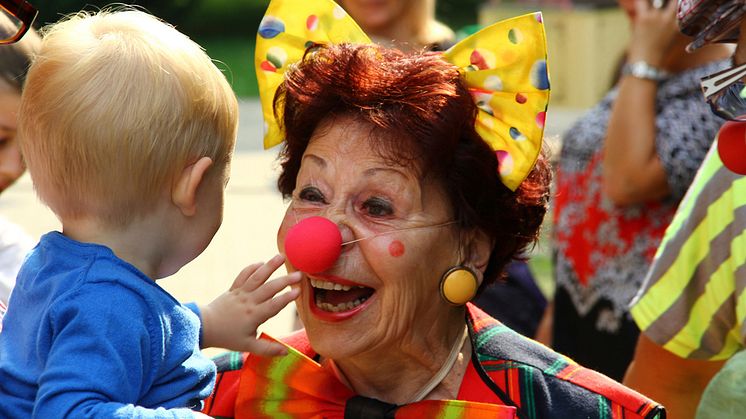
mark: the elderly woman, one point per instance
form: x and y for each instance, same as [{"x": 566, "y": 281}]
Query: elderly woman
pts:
[{"x": 392, "y": 151}]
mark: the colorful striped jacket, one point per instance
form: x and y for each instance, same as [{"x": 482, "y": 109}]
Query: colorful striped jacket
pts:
[{"x": 506, "y": 369}]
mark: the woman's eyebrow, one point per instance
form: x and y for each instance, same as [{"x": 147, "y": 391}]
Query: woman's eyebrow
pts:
[
  {"x": 315, "y": 159},
  {"x": 375, "y": 170}
]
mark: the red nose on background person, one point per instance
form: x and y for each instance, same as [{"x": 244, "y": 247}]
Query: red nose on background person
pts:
[
  {"x": 732, "y": 146},
  {"x": 313, "y": 245}
]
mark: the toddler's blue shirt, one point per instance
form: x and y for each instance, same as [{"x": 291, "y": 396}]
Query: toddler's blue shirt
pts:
[{"x": 89, "y": 335}]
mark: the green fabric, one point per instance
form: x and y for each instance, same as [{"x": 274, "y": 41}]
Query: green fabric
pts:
[{"x": 725, "y": 396}]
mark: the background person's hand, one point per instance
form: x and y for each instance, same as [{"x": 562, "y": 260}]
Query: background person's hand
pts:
[
  {"x": 653, "y": 32},
  {"x": 232, "y": 319}
]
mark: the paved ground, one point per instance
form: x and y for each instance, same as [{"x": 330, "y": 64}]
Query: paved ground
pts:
[{"x": 253, "y": 211}]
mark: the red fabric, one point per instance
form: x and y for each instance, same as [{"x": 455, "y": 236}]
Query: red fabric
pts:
[
  {"x": 594, "y": 223},
  {"x": 474, "y": 389},
  {"x": 227, "y": 387},
  {"x": 622, "y": 396}
]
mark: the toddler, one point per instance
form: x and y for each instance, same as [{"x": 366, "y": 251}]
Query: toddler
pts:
[{"x": 128, "y": 130}]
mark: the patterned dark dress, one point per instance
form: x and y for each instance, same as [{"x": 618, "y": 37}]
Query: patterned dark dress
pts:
[{"x": 602, "y": 252}]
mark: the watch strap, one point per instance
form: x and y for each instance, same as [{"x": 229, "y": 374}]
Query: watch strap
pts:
[{"x": 645, "y": 71}]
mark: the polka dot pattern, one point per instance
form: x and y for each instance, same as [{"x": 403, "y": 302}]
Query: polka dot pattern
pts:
[
  {"x": 270, "y": 27},
  {"x": 515, "y": 36},
  {"x": 504, "y": 162},
  {"x": 493, "y": 82},
  {"x": 503, "y": 65},
  {"x": 505, "y": 68},
  {"x": 312, "y": 23},
  {"x": 541, "y": 119},
  {"x": 539, "y": 75}
]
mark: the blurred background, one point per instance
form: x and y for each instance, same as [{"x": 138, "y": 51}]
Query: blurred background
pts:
[
  {"x": 585, "y": 38},
  {"x": 576, "y": 29}
]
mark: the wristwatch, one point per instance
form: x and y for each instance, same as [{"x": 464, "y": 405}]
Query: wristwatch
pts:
[{"x": 645, "y": 71}]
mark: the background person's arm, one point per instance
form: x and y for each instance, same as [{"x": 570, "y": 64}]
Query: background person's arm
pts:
[
  {"x": 633, "y": 173},
  {"x": 677, "y": 383}
]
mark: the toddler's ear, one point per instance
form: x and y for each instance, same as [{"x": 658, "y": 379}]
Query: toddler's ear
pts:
[{"x": 184, "y": 193}]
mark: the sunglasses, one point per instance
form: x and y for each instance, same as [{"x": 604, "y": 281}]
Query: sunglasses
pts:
[
  {"x": 21, "y": 15},
  {"x": 725, "y": 92}
]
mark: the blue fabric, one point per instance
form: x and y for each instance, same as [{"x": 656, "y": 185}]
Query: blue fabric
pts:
[{"x": 89, "y": 335}]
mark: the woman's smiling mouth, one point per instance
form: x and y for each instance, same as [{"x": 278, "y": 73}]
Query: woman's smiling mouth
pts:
[{"x": 334, "y": 300}]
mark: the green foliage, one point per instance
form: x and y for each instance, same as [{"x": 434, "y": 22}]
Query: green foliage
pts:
[
  {"x": 173, "y": 11},
  {"x": 457, "y": 13},
  {"x": 219, "y": 18},
  {"x": 235, "y": 57}
]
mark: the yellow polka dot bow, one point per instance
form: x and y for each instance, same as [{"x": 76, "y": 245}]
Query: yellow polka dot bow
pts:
[{"x": 504, "y": 66}]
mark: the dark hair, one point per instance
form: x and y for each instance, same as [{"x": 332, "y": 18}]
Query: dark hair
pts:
[
  {"x": 421, "y": 115},
  {"x": 15, "y": 59}
]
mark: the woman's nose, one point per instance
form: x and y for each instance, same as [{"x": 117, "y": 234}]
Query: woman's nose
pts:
[
  {"x": 314, "y": 244},
  {"x": 347, "y": 235},
  {"x": 338, "y": 214}
]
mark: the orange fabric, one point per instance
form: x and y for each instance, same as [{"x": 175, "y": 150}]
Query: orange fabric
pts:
[{"x": 296, "y": 386}]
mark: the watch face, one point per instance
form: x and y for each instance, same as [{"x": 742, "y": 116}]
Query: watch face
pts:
[{"x": 643, "y": 70}]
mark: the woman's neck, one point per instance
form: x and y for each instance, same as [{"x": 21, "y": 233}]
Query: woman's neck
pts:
[
  {"x": 400, "y": 373},
  {"x": 397, "y": 36},
  {"x": 403, "y": 33}
]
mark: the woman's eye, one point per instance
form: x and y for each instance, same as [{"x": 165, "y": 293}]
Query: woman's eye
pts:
[
  {"x": 312, "y": 194},
  {"x": 378, "y": 207}
]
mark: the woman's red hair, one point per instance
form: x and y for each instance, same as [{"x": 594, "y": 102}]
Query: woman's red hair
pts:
[{"x": 421, "y": 115}]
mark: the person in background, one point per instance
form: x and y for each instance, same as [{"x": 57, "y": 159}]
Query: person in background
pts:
[
  {"x": 408, "y": 25},
  {"x": 691, "y": 309},
  {"x": 623, "y": 168},
  {"x": 14, "y": 62}
]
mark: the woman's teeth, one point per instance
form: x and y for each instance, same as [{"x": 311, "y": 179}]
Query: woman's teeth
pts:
[
  {"x": 328, "y": 295},
  {"x": 339, "y": 307},
  {"x": 325, "y": 285}
]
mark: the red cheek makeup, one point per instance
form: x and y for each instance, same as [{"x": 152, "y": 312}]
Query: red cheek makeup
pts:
[{"x": 396, "y": 248}]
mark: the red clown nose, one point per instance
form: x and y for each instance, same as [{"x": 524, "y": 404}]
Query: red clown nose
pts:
[
  {"x": 732, "y": 146},
  {"x": 313, "y": 245}
]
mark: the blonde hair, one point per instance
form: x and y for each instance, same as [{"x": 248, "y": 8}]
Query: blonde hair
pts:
[{"x": 116, "y": 104}]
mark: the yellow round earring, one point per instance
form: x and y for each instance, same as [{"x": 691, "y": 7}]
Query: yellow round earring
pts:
[{"x": 458, "y": 285}]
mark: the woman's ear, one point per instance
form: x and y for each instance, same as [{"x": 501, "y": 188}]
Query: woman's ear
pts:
[
  {"x": 478, "y": 251},
  {"x": 184, "y": 192}
]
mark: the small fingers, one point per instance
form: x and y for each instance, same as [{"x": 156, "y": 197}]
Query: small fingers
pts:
[
  {"x": 268, "y": 309},
  {"x": 260, "y": 275},
  {"x": 281, "y": 301},
  {"x": 268, "y": 289},
  {"x": 244, "y": 275}
]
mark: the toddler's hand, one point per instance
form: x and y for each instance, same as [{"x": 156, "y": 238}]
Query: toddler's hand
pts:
[{"x": 231, "y": 320}]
